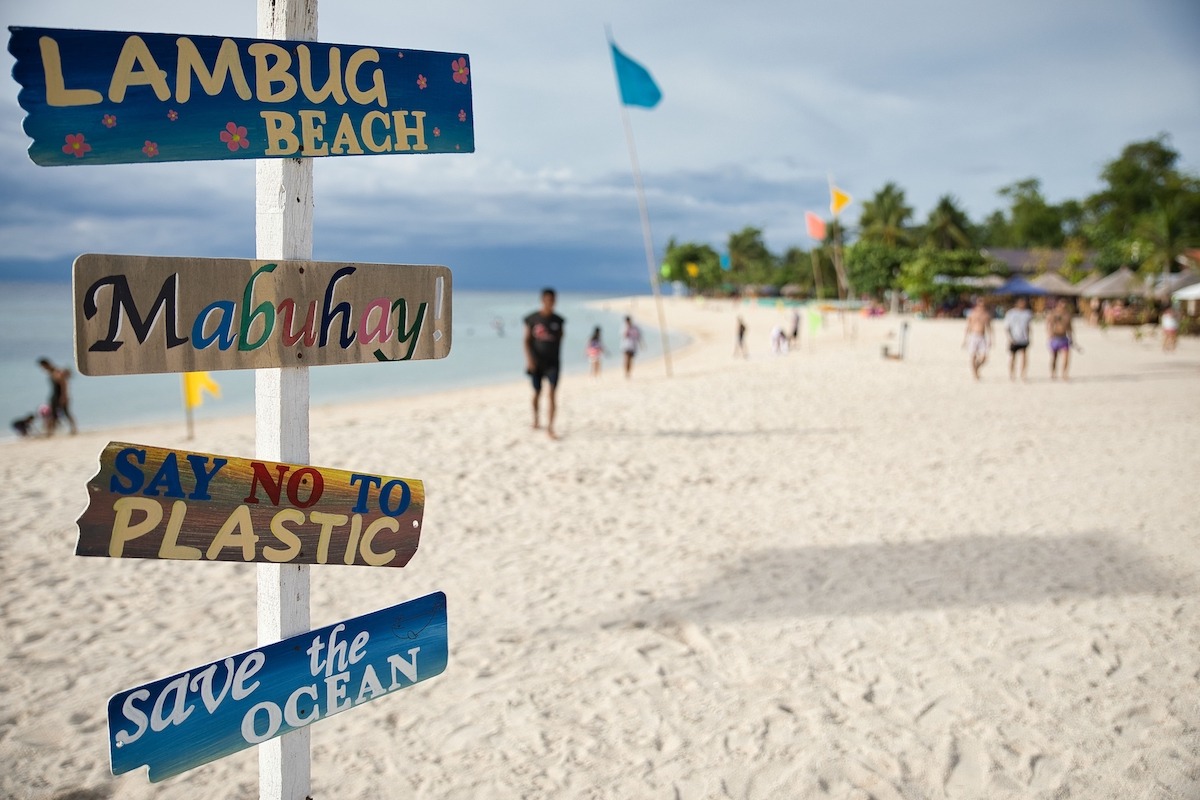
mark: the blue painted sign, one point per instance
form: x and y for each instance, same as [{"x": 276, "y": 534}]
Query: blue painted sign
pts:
[
  {"x": 194, "y": 717},
  {"x": 107, "y": 97}
]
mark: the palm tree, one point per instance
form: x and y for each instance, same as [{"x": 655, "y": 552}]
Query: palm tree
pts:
[
  {"x": 885, "y": 217},
  {"x": 1163, "y": 230},
  {"x": 948, "y": 227}
]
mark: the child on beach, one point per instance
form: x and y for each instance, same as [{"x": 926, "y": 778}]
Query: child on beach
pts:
[{"x": 595, "y": 350}]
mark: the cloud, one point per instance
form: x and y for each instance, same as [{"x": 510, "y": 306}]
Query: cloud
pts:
[{"x": 764, "y": 101}]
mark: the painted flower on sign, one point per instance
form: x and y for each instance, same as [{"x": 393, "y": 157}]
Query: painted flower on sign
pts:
[
  {"x": 172, "y": 115},
  {"x": 108, "y": 120},
  {"x": 234, "y": 136},
  {"x": 437, "y": 132},
  {"x": 76, "y": 146},
  {"x": 462, "y": 115},
  {"x": 422, "y": 82},
  {"x": 459, "y": 65},
  {"x": 150, "y": 149}
]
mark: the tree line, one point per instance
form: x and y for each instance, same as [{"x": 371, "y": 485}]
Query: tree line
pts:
[{"x": 1146, "y": 214}]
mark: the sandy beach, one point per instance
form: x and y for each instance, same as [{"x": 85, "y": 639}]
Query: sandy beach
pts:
[{"x": 820, "y": 574}]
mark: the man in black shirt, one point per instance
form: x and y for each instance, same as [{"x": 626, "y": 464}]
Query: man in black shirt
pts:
[{"x": 543, "y": 344}]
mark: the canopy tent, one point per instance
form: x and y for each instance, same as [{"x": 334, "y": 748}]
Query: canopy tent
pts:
[
  {"x": 1166, "y": 286},
  {"x": 1119, "y": 285},
  {"x": 1056, "y": 284},
  {"x": 1187, "y": 293},
  {"x": 1017, "y": 285}
]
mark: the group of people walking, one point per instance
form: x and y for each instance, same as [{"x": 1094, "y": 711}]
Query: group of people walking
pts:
[{"x": 978, "y": 338}]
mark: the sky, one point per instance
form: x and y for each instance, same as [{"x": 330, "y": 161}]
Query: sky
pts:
[{"x": 764, "y": 102}]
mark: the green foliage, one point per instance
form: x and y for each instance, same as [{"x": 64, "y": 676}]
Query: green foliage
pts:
[
  {"x": 948, "y": 226},
  {"x": 919, "y": 276},
  {"x": 706, "y": 261},
  {"x": 873, "y": 267},
  {"x": 1146, "y": 215},
  {"x": 750, "y": 262},
  {"x": 885, "y": 217},
  {"x": 1032, "y": 222}
]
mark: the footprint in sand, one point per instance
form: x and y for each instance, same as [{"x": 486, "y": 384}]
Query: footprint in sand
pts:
[{"x": 966, "y": 770}]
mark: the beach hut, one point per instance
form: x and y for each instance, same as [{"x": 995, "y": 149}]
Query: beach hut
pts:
[
  {"x": 1092, "y": 277},
  {"x": 1189, "y": 296},
  {"x": 1122, "y": 284},
  {"x": 1056, "y": 284},
  {"x": 1164, "y": 286}
]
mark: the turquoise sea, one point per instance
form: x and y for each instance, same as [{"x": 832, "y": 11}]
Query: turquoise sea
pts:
[{"x": 36, "y": 321}]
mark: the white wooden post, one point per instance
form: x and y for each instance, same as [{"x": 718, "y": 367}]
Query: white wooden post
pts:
[{"x": 283, "y": 230}]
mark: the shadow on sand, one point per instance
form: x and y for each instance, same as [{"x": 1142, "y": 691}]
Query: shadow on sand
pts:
[{"x": 972, "y": 571}]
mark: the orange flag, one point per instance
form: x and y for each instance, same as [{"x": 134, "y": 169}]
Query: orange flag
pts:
[
  {"x": 816, "y": 226},
  {"x": 838, "y": 199}
]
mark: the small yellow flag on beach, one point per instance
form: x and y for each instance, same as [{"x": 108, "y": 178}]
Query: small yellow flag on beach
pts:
[
  {"x": 838, "y": 199},
  {"x": 194, "y": 386}
]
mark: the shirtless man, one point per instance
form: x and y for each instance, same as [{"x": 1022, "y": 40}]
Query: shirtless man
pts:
[
  {"x": 978, "y": 336},
  {"x": 1059, "y": 332}
]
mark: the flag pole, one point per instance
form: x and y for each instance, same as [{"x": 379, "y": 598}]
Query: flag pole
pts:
[
  {"x": 647, "y": 240},
  {"x": 646, "y": 237}
]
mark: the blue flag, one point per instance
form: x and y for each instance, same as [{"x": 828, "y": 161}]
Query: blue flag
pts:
[{"x": 636, "y": 85}]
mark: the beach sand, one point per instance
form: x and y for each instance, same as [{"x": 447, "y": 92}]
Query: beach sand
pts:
[{"x": 823, "y": 574}]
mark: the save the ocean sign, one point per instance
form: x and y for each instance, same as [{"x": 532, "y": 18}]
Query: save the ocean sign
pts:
[
  {"x": 152, "y": 502},
  {"x": 108, "y": 97},
  {"x": 191, "y": 718},
  {"x": 150, "y": 314}
]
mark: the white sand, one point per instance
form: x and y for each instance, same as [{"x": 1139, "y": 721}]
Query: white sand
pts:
[{"x": 823, "y": 574}]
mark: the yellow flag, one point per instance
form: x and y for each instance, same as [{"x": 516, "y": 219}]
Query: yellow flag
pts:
[
  {"x": 194, "y": 386},
  {"x": 838, "y": 199}
]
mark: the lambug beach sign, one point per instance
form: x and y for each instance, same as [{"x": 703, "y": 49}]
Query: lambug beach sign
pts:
[
  {"x": 146, "y": 314},
  {"x": 152, "y": 502},
  {"x": 206, "y": 713},
  {"x": 107, "y": 97}
]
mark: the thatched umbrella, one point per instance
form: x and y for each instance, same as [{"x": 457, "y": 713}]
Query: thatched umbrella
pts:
[
  {"x": 1056, "y": 284},
  {"x": 1121, "y": 284}
]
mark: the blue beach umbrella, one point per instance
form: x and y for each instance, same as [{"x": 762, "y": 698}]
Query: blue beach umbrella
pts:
[{"x": 1017, "y": 285}]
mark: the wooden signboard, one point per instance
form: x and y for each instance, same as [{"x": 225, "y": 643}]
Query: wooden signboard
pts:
[
  {"x": 191, "y": 718},
  {"x": 143, "y": 314},
  {"x": 107, "y": 97},
  {"x": 150, "y": 502}
]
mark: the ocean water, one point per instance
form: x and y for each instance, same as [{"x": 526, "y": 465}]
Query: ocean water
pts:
[{"x": 36, "y": 320}]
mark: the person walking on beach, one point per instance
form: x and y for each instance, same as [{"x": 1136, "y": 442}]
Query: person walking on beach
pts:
[
  {"x": 794, "y": 336},
  {"x": 739, "y": 345},
  {"x": 595, "y": 351},
  {"x": 1170, "y": 329},
  {"x": 1060, "y": 333},
  {"x": 60, "y": 399},
  {"x": 631, "y": 342},
  {"x": 543, "y": 347},
  {"x": 978, "y": 336},
  {"x": 1016, "y": 324}
]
